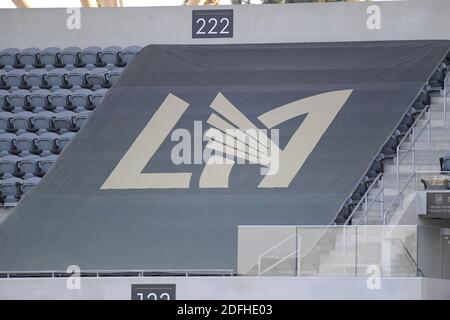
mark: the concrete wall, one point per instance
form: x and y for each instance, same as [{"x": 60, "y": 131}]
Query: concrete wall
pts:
[
  {"x": 414, "y": 19},
  {"x": 206, "y": 288}
]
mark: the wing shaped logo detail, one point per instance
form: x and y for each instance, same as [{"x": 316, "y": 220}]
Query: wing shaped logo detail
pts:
[{"x": 251, "y": 143}]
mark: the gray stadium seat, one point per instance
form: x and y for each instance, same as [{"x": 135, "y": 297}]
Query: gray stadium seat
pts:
[
  {"x": 92, "y": 56},
  {"x": 72, "y": 55},
  {"x": 31, "y": 57},
  {"x": 445, "y": 163},
  {"x": 27, "y": 166},
  {"x": 47, "y": 143},
  {"x": 11, "y": 57},
  {"x": 390, "y": 148},
  {"x": 26, "y": 143},
  {"x": 78, "y": 78},
  {"x": 11, "y": 189},
  {"x": 37, "y": 78},
  {"x": 65, "y": 121},
  {"x": 51, "y": 56},
  {"x": 4, "y": 101},
  {"x": 58, "y": 78},
  {"x": 376, "y": 168},
  {"x": 8, "y": 144},
  {"x": 345, "y": 212},
  {"x": 22, "y": 121},
  {"x": 40, "y": 99},
  {"x": 43, "y": 121},
  {"x": 16, "y": 78},
  {"x": 112, "y": 56},
  {"x": 406, "y": 123},
  {"x": 61, "y": 98},
  {"x": 3, "y": 84},
  {"x": 82, "y": 98},
  {"x": 6, "y": 122},
  {"x": 437, "y": 80},
  {"x": 19, "y": 99},
  {"x": 43, "y": 164},
  {"x": 129, "y": 53},
  {"x": 97, "y": 77},
  {"x": 9, "y": 166}
]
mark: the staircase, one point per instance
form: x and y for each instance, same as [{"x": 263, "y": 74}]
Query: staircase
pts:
[
  {"x": 346, "y": 252},
  {"x": 425, "y": 159}
]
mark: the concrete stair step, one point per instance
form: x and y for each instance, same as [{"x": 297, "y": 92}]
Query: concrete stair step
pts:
[
  {"x": 440, "y": 100},
  {"x": 409, "y": 169}
]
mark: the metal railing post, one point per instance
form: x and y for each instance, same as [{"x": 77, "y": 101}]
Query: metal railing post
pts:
[
  {"x": 345, "y": 250},
  {"x": 382, "y": 200},
  {"x": 414, "y": 150},
  {"x": 445, "y": 98},
  {"x": 429, "y": 128},
  {"x": 298, "y": 254},
  {"x": 398, "y": 167}
]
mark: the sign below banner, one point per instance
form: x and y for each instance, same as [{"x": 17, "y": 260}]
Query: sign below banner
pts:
[
  {"x": 438, "y": 204},
  {"x": 153, "y": 292}
]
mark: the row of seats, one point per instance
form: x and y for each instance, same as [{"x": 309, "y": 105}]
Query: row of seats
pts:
[
  {"x": 25, "y": 167},
  {"x": 46, "y": 96},
  {"x": 437, "y": 80},
  {"x": 42, "y": 122},
  {"x": 46, "y": 100},
  {"x": 389, "y": 150},
  {"x": 59, "y": 78},
  {"x": 31, "y": 143},
  {"x": 12, "y": 189},
  {"x": 71, "y": 56}
]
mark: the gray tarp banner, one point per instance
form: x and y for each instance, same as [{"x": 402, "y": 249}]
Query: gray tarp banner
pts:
[{"x": 110, "y": 202}]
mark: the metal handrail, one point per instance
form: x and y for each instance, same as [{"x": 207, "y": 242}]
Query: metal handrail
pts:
[
  {"x": 415, "y": 137},
  {"x": 397, "y": 196},
  {"x": 260, "y": 273},
  {"x": 446, "y": 81},
  {"x": 108, "y": 273},
  {"x": 271, "y": 249},
  {"x": 365, "y": 197}
]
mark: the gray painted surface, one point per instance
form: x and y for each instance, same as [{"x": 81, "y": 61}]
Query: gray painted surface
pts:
[
  {"x": 208, "y": 288},
  {"x": 69, "y": 218},
  {"x": 405, "y": 20}
]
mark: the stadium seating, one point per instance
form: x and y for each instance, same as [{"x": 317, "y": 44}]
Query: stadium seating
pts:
[
  {"x": 46, "y": 95},
  {"x": 71, "y": 57}
]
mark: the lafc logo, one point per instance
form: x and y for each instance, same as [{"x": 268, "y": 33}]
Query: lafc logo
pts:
[{"x": 279, "y": 171}]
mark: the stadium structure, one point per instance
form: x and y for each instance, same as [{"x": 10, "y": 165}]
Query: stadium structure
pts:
[{"x": 285, "y": 151}]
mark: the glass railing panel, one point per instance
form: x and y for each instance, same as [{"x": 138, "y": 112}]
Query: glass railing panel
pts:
[
  {"x": 267, "y": 251},
  {"x": 327, "y": 251},
  {"x": 391, "y": 251}
]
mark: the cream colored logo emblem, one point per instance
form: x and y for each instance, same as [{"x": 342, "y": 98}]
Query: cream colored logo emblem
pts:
[{"x": 320, "y": 112}]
